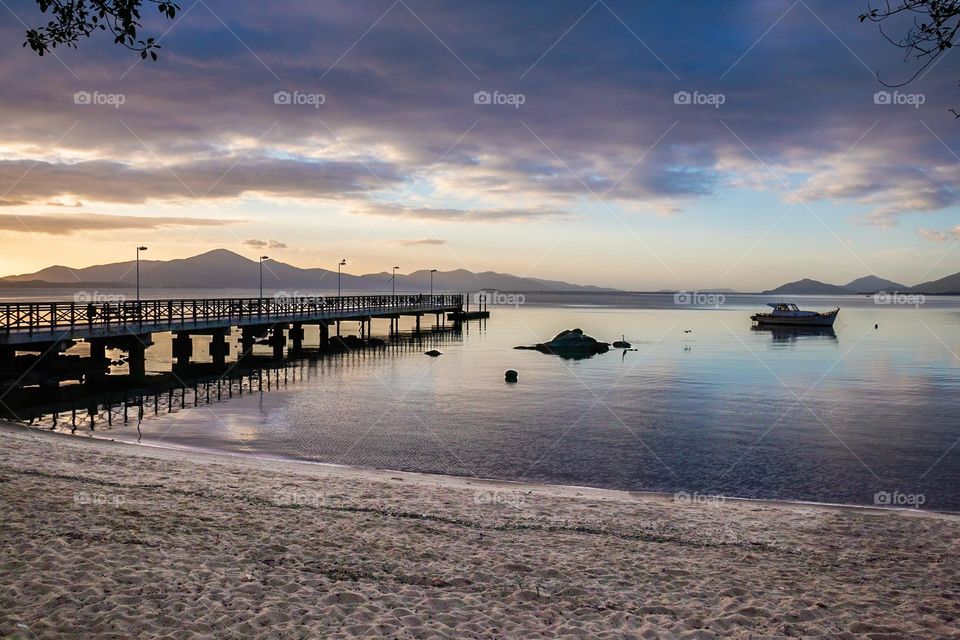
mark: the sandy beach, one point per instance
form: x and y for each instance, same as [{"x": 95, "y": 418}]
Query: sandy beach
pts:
[{"x": 108, "y": 540}]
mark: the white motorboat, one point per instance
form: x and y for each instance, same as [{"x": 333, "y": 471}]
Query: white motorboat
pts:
[{"x": 789, "y": 314}]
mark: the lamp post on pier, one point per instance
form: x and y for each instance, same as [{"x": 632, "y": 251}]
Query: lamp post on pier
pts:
[
  {"x": 139, "y": 249},
  {"x": 340, "y": 264},
  {"x": 262, "y": 258},
  {"x": 393, "y": 280},
  {"x": 432, "y": 271}
]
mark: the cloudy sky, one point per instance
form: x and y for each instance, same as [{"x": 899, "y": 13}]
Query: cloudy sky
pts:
[{"x": 643, "y": 145}]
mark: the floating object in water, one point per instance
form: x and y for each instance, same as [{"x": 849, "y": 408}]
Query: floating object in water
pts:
[
  {"x": 510, "y": 375},
  {"x": 621, "y": 343},
  {"x": 788, "y": 314},
  {"x": 688, "y": 331},
  {"x": 433, "y": 353},
  {"x": 876, "y": 326}
]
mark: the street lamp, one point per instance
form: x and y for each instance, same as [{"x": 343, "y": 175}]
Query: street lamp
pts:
[
  {"x": 340, "y": 264},
  {"x": 432, "y": 271},
  {"x": 393, "y": 280},
  {"x": 262, "y": 258},
  {"x": 139, "y": 249}
]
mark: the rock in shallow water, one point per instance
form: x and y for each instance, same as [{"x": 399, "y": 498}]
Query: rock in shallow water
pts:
[{"x": 572, "y": 343}]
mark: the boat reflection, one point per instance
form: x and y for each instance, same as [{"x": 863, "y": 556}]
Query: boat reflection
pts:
[{"x": 790, "y": 335}]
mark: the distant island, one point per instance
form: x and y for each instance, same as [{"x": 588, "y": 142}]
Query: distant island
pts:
[{"x": 866, "y": 285}]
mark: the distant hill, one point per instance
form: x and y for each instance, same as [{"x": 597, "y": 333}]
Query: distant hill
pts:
[
  {"x": 808, "y": 287},
  {"x": 948, "y": 285},
  {"x": 224, "y": 269}
]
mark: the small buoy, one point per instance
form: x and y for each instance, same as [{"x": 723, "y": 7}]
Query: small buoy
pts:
[
  {"x": 876, "y": 326},
  {"x": 687, "y": 331},
  {"x": 510, "y": 375},
  {"x": 433, "y": 353}
]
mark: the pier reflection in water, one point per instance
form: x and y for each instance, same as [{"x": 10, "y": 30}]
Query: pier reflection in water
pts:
[{"x": 122, "y": 401}]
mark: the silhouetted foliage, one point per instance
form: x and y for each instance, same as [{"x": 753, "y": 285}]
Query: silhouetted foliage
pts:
[{"x": 74, "y": 19}]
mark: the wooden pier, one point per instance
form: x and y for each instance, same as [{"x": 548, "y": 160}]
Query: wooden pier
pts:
[{"x": 52, "y": 327}]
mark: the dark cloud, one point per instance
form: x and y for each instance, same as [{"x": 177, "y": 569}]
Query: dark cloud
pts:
[
  {"x": 598, "y": 117},
  {"x": 69, "y": 223}
]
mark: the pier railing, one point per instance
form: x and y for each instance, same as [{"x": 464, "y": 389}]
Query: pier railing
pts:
[{"x": 69, "y": 317}]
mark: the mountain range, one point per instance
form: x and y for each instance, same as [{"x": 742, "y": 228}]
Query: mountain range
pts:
[
  {"x": 867, "y": 284},
  {"x": 224, "y": 269}
]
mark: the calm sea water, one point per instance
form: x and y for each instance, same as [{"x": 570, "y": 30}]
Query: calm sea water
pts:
[{"x": 706, "y": 404}]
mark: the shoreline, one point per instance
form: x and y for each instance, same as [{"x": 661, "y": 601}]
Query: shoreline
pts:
[
  {"x": 107, "y": 540},
  {"x": 293, "y": 464}
]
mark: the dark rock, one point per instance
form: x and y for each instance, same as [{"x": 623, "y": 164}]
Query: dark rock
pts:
[
  {"x": 433, "y": 353},
  {"x": 572, "y": 343}
]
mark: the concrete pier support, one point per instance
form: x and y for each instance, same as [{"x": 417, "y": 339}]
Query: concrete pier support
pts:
[
  {"x": 247, "y": 339},
  {"x": 137, "y": 357},
  {"x": 296, "y": 337},
  {"x": 418, "y": 324},
  {"x": 219, "y": 349},
  {"x": 324, "y": 334},
  {"x": 182, "y": 348},
  {"x": 278, "y": 341},
  {"x": 8, "y": 361},
  {"x": 98, "y": 350}
]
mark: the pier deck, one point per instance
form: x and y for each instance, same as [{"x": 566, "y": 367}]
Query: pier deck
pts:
[{"x": 29, "y": 323}]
